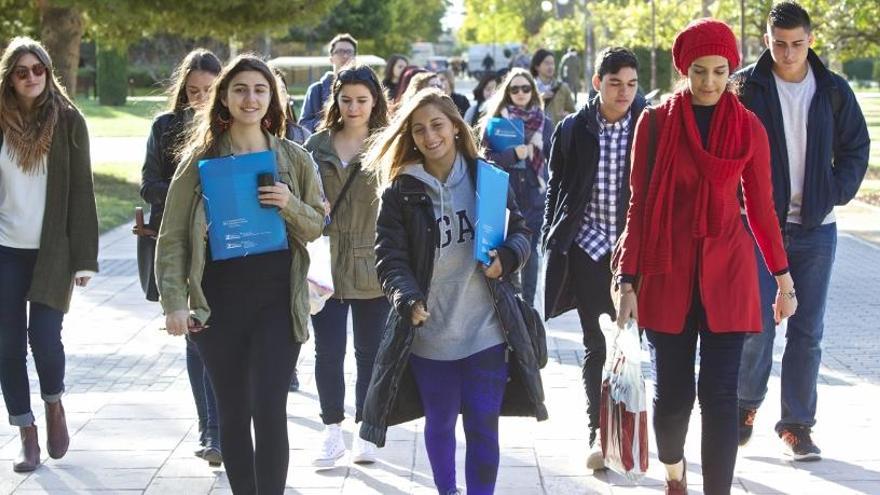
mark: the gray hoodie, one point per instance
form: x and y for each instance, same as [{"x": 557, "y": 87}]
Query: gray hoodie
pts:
[{"x": 462, "y": 320}]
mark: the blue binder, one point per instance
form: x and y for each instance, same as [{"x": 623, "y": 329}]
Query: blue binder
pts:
[
  {"x": 502, "y": 133},
  {"x": 492, "y": 186},
  {"x": 237, "y": 225}
]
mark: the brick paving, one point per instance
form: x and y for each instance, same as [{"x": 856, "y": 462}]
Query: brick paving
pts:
[{"x": 133, "y": 422}]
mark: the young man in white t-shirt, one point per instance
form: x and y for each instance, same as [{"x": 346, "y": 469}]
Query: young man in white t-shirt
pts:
[{"x": 819, "y": 149}]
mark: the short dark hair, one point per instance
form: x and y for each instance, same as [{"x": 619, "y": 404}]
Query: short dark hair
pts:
[
  {"x": 612, "y": 59},
  {"x": 343, "y": 37},
  {"x": 789, "y": 14},
  {"x": 538, "y": 59}
]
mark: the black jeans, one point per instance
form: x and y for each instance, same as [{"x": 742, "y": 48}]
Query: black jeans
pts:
[
  {"x": 248, "y": 350},
  {"x": 673, "y": 359},
  {"x": 591, "y": 282},
  {"x": 368, "y": 318}
]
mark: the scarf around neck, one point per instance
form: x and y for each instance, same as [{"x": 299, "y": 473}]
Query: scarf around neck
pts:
[
  {"x": 533, "y": 123},
  {"x": 727, "y": 151},
  {"x": 29, "y": 142}
]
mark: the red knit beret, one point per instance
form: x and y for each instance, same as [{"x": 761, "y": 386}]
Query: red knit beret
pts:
[{"x": 704, "y": 37}]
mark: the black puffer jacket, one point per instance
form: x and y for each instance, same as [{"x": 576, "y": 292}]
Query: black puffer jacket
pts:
[
  {"x": 160, "y": 162},
  {"x": 406, "y": 240}
]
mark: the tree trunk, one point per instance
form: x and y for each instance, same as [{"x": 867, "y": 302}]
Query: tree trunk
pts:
[{"x": 61, "y": 29}]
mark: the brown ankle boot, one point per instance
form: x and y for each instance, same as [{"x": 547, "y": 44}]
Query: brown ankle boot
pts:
[
  {"x": 29, "y": 457},
  {"x": 57, "y": 439}
]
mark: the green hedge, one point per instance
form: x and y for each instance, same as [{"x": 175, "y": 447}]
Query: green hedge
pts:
[{"x": 112, "y": 75}]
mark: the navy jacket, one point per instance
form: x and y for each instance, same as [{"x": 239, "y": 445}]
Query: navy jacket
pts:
[
  {"x": 837, "y": 141},
  {"x": 313, "y": 106},
  {"x": 572, "y": 177}
]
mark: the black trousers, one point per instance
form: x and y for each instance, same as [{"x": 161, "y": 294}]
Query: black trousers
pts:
[
  {"x": 673, "y": 357},
  {"x": 591, "y": 282},
  {"x": 249, "y": 352}
]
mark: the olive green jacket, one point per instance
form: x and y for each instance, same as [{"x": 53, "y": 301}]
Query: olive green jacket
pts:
[
  {"x": 352, "y": 230},
  {"x": 69, "y": 236},
  {"x": 181, "y": 248},
  {"x": 561, "y": 104}
]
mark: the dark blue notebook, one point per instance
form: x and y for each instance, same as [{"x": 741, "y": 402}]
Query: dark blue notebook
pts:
[
  {"x": 237, "y": 225},
  {"x": 492, "y": 186},
  {"x": 502, "y": 133}
]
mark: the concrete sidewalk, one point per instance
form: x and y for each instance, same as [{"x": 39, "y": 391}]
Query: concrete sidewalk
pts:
[{"x": 133, "y": 424}]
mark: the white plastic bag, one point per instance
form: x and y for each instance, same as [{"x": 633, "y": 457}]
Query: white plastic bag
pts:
[
  {"x": 320, "y": 277},
  {"x": 623, "y": 418}
]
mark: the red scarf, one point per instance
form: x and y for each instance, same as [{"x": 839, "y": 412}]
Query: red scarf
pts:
[{"x": 727, "y": 151}]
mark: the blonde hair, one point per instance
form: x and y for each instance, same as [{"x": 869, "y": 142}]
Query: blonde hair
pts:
[
  {"x": 394, "y": 147},
  {"x": 501, "y": 99}
]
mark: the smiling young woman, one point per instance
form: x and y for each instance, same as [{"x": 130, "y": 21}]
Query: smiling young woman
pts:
[
  {"x": 246, "y": 315},
  {"x": 48, "y": 236},
  {"x": 444, "y": 351}
]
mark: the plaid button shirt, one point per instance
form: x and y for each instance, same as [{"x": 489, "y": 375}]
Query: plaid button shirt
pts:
[{"x": 598, "y": 231}]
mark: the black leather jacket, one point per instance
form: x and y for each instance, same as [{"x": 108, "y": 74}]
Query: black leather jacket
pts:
[
  {"x": 160, "y": 162},
  {"x": 406, "y": 240}
]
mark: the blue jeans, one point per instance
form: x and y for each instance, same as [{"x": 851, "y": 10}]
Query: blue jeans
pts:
[
  {"x": 203, "y": 394},
  {"x": 368, "y": 317},
  {"x": 810, "y": 257},
  {"x": 42, "y": 327}
]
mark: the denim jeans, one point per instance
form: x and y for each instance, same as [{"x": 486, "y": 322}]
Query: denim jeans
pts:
[
  {"x": 673, "y": 358},
  {"x": 203, "y": 393},
  {"x": 368, "y": 318},
  {"x": 41, "y": 326},
  {"x": 810, "y": 258}
]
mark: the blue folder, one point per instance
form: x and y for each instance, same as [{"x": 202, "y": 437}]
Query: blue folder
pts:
[
  {"x": 502, "y": 133},
  {"x": 492, "y": 186},
  {"x": 237, "y": 225}
]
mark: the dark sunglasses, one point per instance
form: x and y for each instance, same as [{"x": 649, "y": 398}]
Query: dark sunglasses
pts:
[
  {"x": 361, "y": 74},
  {"x": 21, "y": 72},
  {"x": 347, "y": 52},
  {"x": 525, "y": 88}
]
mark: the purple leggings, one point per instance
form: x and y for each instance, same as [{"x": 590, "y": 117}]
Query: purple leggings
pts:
[{"x": 473, "y": 386}]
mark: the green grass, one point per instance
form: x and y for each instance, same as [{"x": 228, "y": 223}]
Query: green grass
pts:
[
  {"x": 132, "y": 120},
  {"x": 117, "y": 187},
  {"x": 871, "y": 108}
]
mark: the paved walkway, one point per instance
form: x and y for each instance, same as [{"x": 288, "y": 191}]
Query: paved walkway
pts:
[{"x": 133, "y": 422}]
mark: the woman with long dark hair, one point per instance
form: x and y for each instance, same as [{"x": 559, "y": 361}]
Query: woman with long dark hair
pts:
[
  {"x": 48, "y": 237},
  {"x": 393, "y": 71},
  {"x": 247, "y": 315},
  {"x": 484, "y": 90},
  {"x": 684, "y": 237},
  {"x": 357, "y": 110},
  {"x": 452, "y": 343},
  {"x": 192, "y": 81},
  {"x": 517, "y": 99}
]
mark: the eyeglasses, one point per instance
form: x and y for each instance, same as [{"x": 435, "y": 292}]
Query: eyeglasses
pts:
[
  {"x": 525, "y": 88},
  {"x": 345, "y": 52},
  {"x": 21, "y": 71}
]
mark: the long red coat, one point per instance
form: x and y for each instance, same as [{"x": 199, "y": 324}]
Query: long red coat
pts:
[{"x": 726, "y": 264}]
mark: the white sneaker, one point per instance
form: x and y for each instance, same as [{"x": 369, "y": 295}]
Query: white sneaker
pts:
[
  {"x": 332, "y": 447},
  {"x": 363, "y": 451}
]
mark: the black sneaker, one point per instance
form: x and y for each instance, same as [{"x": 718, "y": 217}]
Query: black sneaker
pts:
[
  {"x": 798, "y": 443},
  {"x": 746, "y": 422}
]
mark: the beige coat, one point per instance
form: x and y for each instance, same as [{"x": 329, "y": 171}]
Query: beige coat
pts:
[{"x": 181, "y": 248}]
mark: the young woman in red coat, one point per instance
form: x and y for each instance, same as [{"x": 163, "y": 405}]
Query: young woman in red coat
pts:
[{"x": 685, "y": 239}]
